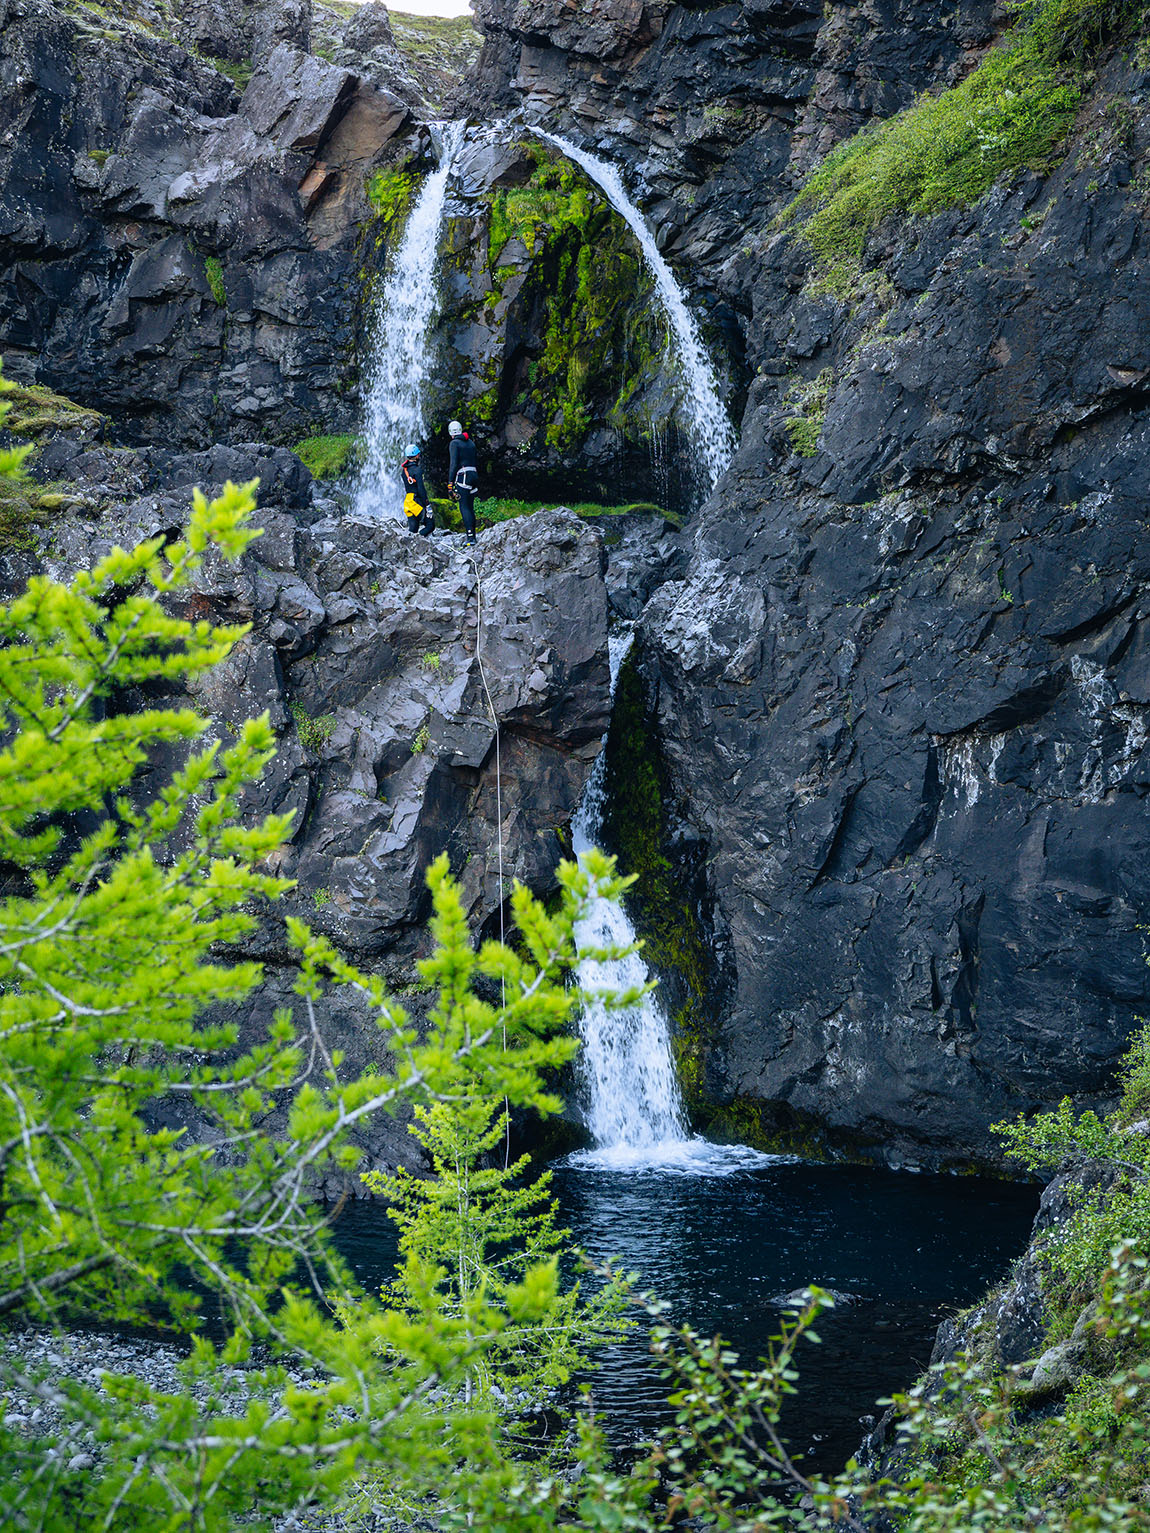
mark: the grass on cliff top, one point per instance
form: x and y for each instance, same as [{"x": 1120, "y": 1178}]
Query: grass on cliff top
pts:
[
  {"x": 950, "y": 148},
  {"x": 450, "y": 43}
]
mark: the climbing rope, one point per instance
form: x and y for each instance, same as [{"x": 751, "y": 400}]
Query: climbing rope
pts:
[{"x": 498, "y": 819}]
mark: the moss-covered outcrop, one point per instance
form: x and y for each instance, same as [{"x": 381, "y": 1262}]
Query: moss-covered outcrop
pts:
[
  {"x": 951, "y": 147},
  {"x": 555, "y": 343},
  {"x": 35, "y": 411}
]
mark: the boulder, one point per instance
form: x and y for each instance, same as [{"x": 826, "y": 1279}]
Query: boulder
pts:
[{"x": 183, "y": 259}]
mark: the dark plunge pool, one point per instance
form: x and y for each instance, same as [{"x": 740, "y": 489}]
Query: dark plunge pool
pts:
[{"x": 723, "y": 1249}]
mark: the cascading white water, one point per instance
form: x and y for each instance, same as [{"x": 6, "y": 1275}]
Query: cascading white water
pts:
[
  {"x": 709, "y": 425},
  {"x": 393, "y": 415},
  {"x": 633, "y": 1107}
]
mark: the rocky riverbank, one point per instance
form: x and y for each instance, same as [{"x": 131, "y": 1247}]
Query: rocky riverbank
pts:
[{"x": 50, "y": 1361}]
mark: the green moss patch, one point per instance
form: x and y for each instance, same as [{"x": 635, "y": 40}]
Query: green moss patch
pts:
[
  {"x": 391, "y": 193},
  {"x": 35, "y": 411},
  {"x": 26, "y": 505},
  {"x": 239, "y": 74},
  {"x": 600, "y": 337},
  {"x": 327, "y": 457},
  {"x": 214, "y": 272},
  {"x": 508, "y": 510},
  {"x": 809, "y": 403},
  {"x": 950, "y": 148}
]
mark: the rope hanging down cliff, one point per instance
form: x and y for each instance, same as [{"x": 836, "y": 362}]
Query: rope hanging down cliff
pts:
[{"x": 498, "y": 812}]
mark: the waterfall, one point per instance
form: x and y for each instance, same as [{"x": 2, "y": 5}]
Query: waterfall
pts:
[
  {"x": 633, "y": 1105},
  {"x": 394, "y": 416},
  {"x": 708, "y": 424}
]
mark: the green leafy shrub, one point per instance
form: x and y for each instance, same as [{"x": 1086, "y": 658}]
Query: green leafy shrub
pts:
[
  {"x": 214, "y": 272},
  {"x": 313, "y": 733},
  {"x": 1078, "y": 1252},
  {"x": 478, "y": 1228},
  {"x": 328, "y": 457}
]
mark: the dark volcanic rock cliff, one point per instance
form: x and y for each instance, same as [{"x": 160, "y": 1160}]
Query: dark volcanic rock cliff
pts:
[
  {"x": 175, "y": 252},
  {"x": 900, "y": 693},
  {"x": 896, "y": 697}
]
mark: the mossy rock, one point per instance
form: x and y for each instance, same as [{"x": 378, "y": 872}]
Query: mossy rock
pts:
[
  {"x": 35, "y": 411},
  {"x": 26, "y": 505},
  {"x": 597, "y": 334}
]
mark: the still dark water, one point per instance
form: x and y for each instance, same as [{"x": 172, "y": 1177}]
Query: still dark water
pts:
[{"x": 723, "y": 1249}]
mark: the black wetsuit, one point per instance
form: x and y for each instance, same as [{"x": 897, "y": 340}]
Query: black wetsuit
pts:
[
  {"x": 463, "y": 476},
  {"x": 411, "y": 470}
]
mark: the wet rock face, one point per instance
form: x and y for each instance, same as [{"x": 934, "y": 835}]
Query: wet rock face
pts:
[
  {"x": 183, "y": 256},
  {"x": 904, "y": 683}
]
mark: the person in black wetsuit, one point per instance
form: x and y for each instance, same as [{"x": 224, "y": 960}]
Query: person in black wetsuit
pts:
[
  {"x": 463, "y": 475},
  {"x": 415, "y": 506}
]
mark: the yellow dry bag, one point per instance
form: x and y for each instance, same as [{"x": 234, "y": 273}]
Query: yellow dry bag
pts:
[{"x": 411, "y": 506}]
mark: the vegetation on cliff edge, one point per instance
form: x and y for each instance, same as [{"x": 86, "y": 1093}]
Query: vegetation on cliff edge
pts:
[{"x": 952, "y": 146}]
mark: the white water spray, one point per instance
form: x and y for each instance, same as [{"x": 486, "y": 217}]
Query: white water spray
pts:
[
  {"x": 708, "y": 424},
  {"x": 394, "y": 414},
  {"x": 634, "y": 1108}
]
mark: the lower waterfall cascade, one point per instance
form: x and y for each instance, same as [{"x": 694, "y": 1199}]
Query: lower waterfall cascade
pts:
[{"x": 631, "y": 1101}]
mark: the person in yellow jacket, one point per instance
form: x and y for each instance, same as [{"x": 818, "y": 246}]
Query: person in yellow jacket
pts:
[{"x": 420, "y": 517}]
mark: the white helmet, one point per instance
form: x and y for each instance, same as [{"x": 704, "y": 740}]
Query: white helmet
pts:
[{"x": 454, "y": 428}]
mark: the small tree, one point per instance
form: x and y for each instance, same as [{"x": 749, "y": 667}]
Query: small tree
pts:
[
  {"x": 475, "y": 1229},
  {"x": 111, "y": 944}
]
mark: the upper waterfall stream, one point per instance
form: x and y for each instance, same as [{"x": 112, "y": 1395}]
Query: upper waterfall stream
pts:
[
  {"x": 394, "y": 412},
  {"x": 709, "y": 425}
]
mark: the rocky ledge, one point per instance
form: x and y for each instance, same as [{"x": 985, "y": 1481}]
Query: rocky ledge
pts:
[{"x": 389, "y": 666}]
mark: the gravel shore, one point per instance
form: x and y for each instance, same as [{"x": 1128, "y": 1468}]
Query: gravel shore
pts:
[{"x": 86, "y": 1355}]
